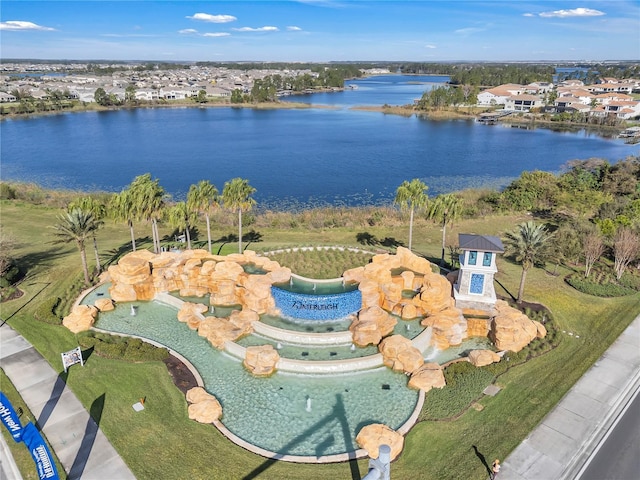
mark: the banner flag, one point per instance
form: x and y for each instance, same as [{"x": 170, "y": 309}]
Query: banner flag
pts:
[
  {"x": 10, "y": 418},
  {"x": 41, "y": 454},
  {"x": 71, "y": 358}
]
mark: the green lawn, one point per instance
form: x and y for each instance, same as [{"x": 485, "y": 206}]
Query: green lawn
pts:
[{"x": 161, "y": 442}]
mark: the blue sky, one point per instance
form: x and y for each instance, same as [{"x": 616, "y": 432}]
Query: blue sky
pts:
[{"x": 321, "y": 30}]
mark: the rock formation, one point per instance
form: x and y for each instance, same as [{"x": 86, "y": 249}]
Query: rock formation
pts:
[
  {"x": 399, "y": 354},
  {"x": 104, "y": 304},
  {"x": 81, "y": 318},
  {"x": 371, "y": 325},
  {"x": 428, "y": 376},
  {"x": 204, "y": 407},
  {"x": 513, "y": 330},
  {"x": 191, "y": 314},
  {"x": 372, "y": 436},
  {"x": 449, "y": 327},
  {"x": 261, "y": 360},
  {"x": 480, "y": 358}
]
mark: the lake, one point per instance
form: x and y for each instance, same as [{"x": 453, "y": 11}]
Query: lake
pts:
[{"x": 294, "y": 158}]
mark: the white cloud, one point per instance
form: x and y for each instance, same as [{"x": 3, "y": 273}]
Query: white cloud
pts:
[
  {"x": 216, "y": 34},
  {"x": 188, "y": 31},
  {"x": 21, "y": 25},
  {"x": 468, "y": 31},
  {"x": 293, "y": 28},
  {"x": 575, "y": 12},
  {"x": 430, "y": 46},
  {"x": 259, "y": 29},
  {"x": 206, "y": 17},
  {"x": 528, "y": 15}
]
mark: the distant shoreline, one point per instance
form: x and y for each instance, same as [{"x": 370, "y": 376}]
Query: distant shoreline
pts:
[{"x": 460, "y": 113}]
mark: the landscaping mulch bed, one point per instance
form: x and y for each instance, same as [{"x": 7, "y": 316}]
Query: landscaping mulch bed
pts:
[{"x": 181, "y": 375}]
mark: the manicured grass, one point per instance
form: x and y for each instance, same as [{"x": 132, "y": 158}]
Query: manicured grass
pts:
[{"x": 161, "y": 442}]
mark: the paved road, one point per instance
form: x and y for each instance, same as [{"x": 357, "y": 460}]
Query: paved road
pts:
[
  {"x": 569, "y": 435},
  {"x": 618, "y": 456}
]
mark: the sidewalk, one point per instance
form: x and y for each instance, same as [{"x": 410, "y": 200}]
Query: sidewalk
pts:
[
  {"x": 78, "y": 442},
  {"x": 564, "y": 440}
]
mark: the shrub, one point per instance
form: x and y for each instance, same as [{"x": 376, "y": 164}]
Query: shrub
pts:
[
  {"x": 123, "y": 348},
  {"x": 46, "y": 311},
  {"x": 465, "y": 383},
  {"x": 601, "y": 287}
]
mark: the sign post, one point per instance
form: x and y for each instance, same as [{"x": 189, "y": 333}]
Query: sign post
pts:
[{"x": 71, "y": 358}]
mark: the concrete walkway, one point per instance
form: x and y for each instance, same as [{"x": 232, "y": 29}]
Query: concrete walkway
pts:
[
  {"x": 562, "y": 443},
  {"x": 77, "y": 440}
]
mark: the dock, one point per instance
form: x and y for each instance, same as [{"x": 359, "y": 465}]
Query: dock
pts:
[{"x": 491, "y": 118}]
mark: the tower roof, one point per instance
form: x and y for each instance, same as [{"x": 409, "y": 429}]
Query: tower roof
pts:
[{"x": 484, "y": 243}]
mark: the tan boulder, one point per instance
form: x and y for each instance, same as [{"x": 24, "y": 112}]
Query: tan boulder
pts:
[
  {"x": 480, "y": 358},
  {"x": 227, "y": 271},
  {"x": 399, "y": 354},
  {"x": 192, "y": 314},
  {"x": 197, "y": 394},
  {"x": 371, "y": 294},
  {"x": 511, "y": 329},
  {"x": 220, "y": 330},
  {"x": 378, "y": 272},
  {"x": 204, "y": 408},
  {"x": 81, "y": 318},
  {"x": 261, "y": 360},
  {"x": 409, "y": 260},
  {"x": 435, "y": 293},
  {"x": 104, "y": 304},
  {"x": 478, "y": 327},
  {"x": 372, "y": 436},
  {"x": 449, "y": 327},
  {"x": 277, "y": 274},
  {"x": 223, "y": 293},
  {"x": 371, "y": 325},
  {"x": 353, "y": 275},
  {"x": 132, "y": 262},
  {"x": 121, "y": 292},
  {"x": 428, "y": 376},
  {"x": 408, "y": 279},
  {"x": 409, "y": 311}
]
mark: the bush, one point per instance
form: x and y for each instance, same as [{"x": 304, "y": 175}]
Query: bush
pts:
[
  {"x": 46, "y": 311},
  {"x": 465, "y": 383},
  {"x": 123, "y": 348},
  {"x": 600, "y": 286}
]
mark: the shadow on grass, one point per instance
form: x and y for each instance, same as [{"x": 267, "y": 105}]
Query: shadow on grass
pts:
[
  {"x": 482, "y": 459},
  {"x": 42, "y": 260},
  {"x": 338, "y": 414},
  {"x": 365, "y": 238},
  {"x": 58, "y": 388},
  {"x": 89, "y": 438}
]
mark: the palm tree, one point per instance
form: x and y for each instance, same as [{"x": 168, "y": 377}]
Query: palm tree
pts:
[
  {"x": 148, "y": 197},
  {"x": 411, "y": 195},
  {"x": 445, "y": 208},
  {"x": 122, "y": 207},
  {"x": 529, "y": 244},
  {"x": 203, "y": 198},
  {"x": 76, "y": 226},
  {"x": 181, "y": 217},
  {"x": 236, "y": 195},
  {"x": 99, "y": 211}
]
